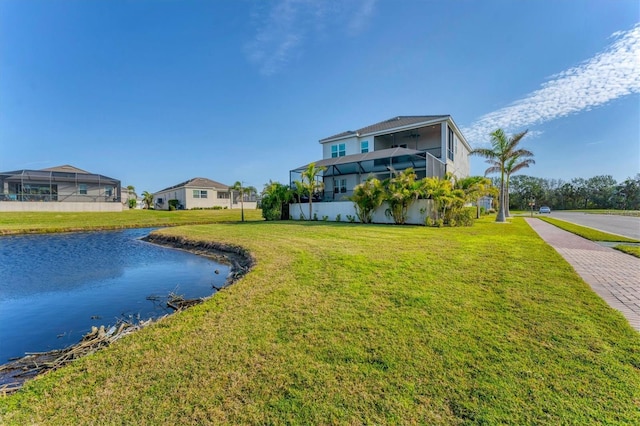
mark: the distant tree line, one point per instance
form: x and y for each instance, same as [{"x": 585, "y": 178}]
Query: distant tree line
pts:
[{"x": 598, "y": 192}]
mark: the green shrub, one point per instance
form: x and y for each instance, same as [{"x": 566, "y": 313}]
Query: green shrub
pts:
[
  {"x": 174, "y": 204},
  {"x": 132, "y": 202},
  {"x": 209, "y": 208},
  {"x": 338, "y": 217},
  {"x": 271, "y": 213},
  {"x": 463, "y": 217}
]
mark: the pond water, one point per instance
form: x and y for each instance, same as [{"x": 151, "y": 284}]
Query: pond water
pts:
[{"x": 53, "y": 288}]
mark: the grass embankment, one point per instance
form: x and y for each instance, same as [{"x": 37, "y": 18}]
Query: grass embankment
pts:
[
  {"x": 365, "y": 324},
  {"x": 632, "y": 250},
  {"x": 46, "y": 222}
]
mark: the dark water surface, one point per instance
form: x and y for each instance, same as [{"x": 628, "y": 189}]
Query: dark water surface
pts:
[{"x": 53, "y": 288}]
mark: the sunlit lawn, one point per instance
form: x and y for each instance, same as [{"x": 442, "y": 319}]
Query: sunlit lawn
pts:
[
  {"x": 365, "y": 324},
  {"x": 43, "y": 222},
  {"x": 632, "y": 250}
]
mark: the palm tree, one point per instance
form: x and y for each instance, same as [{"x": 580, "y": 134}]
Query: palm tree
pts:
[
  {"x": 131, "y": 196},
  {"x": 512, "y": 165},
  {"x": 147, "y": 199},
  {"x": 438, "y": 190},
  {"x": 502, "y": 149},
  {"x": 309, "y": 184},
  {"x": 367, "y": 197},
  {"x": 474, "y": 188},
  {"x": 402, "y": 190},
  {"x": 274, "y": 195},
  {"x": 242, "y": 190}
]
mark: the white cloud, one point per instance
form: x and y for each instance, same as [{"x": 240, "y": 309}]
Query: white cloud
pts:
[
  {"x": 283, "y": 30},
  {"x": 612, "y": 73}
]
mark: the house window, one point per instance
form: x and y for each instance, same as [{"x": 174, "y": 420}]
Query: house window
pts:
[
  {"x": 197, "y": 193},
  {"x": 108, "y": 191},
  {"x": 339, "y": 186},
  {"x": 450, "y": 144},
  {"x": 82, "y": 189},
  {"x": 402, "y": 145},
  {"x": 364, "y": 147},
  {"x": 339, "y": 150},
  {"x": 223, "y": 195}
]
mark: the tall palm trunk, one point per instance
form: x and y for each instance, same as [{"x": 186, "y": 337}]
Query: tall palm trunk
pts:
[
  {"x": 506, "y": 199},
  {"x": 501, "y": 217}
]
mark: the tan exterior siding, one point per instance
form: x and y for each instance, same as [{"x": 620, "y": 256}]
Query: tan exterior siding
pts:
[{"x": 188, "y": 200}]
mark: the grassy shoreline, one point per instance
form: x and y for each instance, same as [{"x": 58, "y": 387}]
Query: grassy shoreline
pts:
[
  {"x": 347, "y": 323},
  {"x": 14, "y": 223}
]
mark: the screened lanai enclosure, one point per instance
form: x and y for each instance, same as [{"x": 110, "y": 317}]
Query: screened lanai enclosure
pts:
[
  {"x": 343, "y": 173},
  {"x": 58, "y": 184}
]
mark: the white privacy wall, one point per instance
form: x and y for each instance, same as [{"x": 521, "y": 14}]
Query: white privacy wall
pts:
[{"x": 417, "y": 213}]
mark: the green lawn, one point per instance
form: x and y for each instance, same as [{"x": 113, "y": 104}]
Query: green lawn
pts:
[
  {"x": 365, "y": 324},
  {"x": 41, "y": 222},
  {"x": 632, "y": 250}
]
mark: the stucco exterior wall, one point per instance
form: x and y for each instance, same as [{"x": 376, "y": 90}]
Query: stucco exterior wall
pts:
[
  {"x": 352, "y": 146},
  {"x": 186, "y": 198},
  {"x": 460, "y": 166},
  {"x": 212, "y": 199},
  {"x": 417, "y": 213},
  {"x": 37, "y": 206},
  {"x": 165, "y": 196}
]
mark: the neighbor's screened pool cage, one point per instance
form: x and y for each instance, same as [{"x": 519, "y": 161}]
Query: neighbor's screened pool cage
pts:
[{"x": 58, "y": 185}]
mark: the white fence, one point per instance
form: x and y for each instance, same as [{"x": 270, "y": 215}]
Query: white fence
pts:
[{"x": 418, "y": 211}]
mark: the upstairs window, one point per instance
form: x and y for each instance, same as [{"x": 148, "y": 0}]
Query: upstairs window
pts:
[
  {"x": 450, "y": 144},
  {"x": 339, "y": 150},
  {"x": 364, "y": 147}
]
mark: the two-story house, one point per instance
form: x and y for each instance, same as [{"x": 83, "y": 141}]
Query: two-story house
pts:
[{"x": 431, "y": 144}]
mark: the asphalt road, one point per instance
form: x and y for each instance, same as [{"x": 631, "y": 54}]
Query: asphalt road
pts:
[{"x": 614, "y": 224}]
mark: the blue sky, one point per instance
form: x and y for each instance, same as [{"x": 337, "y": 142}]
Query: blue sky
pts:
[{"x": 155, "y": 92}]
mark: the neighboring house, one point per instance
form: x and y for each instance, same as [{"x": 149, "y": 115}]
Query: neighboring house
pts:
[
  {"x": 431, "y": 144},
  {"x": 201, "y": 193},
  {"x": 62, "y": 188}
]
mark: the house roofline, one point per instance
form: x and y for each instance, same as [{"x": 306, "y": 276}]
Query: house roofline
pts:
[
  {"x": 349, "y": 134},
  {"x": 189, "y": 184}
]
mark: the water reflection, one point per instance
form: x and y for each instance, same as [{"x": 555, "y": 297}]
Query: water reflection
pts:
[{"x": 53, "y": 288}]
